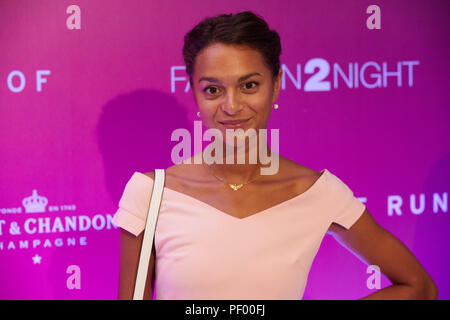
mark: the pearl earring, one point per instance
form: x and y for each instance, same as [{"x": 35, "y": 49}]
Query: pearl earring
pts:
[
  {"x": 198, "y": 114},
  {"x": 275, "y": 106}
]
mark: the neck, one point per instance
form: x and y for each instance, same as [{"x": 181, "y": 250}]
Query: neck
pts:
[{"x": 232, "y": 169}]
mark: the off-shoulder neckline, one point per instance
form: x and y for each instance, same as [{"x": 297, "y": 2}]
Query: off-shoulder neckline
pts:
[{"x": 312, "y": 188}]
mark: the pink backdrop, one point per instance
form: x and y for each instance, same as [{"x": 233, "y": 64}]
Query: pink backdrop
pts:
[{"x": 82, "y": 109}]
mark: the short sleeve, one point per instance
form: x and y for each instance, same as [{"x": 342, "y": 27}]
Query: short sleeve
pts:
[
  {"x": 346, "y": 208},
  {"x": 133, "y": 205}
]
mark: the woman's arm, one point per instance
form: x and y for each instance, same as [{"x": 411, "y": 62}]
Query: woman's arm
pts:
[
  {"x": 376, "y": 246},
  {"x": 130, "y": 249}
]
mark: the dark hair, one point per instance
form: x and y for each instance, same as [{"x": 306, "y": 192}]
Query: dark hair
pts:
[{"x": 244, "y": 28}]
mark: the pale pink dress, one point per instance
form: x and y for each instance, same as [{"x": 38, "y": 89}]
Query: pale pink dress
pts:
[{"x": 204, "y": 253}]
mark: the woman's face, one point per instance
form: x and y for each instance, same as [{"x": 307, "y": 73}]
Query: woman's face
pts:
[{"x": 232, "y": 83}]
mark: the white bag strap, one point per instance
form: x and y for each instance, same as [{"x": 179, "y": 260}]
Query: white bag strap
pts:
[{"x": 149, "y": 232}]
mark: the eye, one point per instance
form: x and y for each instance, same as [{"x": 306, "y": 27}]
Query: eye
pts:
[
  {"x": 253, "y": 83},
  {"x": 213, "y": 92}
]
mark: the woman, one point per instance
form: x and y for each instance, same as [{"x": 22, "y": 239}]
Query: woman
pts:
[{"x": 226, "y": 231}]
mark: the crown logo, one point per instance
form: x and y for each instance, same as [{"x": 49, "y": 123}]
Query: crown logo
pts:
[{"x": 35, "y": 203}]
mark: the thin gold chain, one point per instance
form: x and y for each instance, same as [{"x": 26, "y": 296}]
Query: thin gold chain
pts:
[{"x": 234, "y": 186}]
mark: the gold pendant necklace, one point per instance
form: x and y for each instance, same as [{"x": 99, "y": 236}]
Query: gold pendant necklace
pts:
[{"x": 233, "y": 186}]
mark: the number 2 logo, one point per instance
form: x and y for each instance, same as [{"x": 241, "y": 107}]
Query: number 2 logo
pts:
[{"x": 316, "y": 82}]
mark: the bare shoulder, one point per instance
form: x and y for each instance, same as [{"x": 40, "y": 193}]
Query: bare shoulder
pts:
[
  {"x": 180, "y": 175},
  {"x": 150, "y": 174},
  {"x": 178, "y": 169},
  {"x": 297, "y": 171},
  {"x": 294, "y": 177}
]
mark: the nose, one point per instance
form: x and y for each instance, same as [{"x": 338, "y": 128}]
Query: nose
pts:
[{"x": 231, "y": 105}]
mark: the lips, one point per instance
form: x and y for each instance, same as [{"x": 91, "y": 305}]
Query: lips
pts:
[{"x": 236, "y": 123}]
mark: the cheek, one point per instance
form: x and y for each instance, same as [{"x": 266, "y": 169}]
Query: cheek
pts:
[
  {"x": 262, "y": 99},
  {"x": 207, "y": 114},
  {"x": 260, "y": 104},
  {"x": 207, "y": 108},
  {"x": 263, "y": 109}
]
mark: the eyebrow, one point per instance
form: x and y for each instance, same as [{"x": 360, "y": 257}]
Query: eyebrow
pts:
[{"x": 211, "y": 79}]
